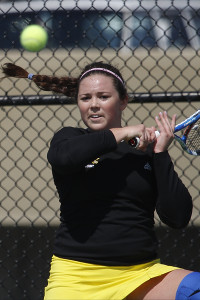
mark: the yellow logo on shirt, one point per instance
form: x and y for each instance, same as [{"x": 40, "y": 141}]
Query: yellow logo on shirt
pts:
[{"x": 93, "y": 163}]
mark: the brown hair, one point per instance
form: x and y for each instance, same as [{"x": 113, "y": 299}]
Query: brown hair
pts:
[
  {"x": 63, "y": 85},
  {"x": 68, "y": 86}
]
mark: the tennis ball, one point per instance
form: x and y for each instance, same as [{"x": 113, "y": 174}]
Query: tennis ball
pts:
[{"x": 33, "y": 38}]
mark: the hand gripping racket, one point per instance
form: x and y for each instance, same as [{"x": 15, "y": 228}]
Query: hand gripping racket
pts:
[{"x": 190, "y": 139}]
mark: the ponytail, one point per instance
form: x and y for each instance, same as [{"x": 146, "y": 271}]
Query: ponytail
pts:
[{"x": 64, "y": 85}]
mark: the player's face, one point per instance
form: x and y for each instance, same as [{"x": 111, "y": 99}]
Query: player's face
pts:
[{"x": 99, "y": 102}]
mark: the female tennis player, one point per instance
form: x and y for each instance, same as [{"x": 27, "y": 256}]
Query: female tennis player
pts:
[{"x": 105, "y": 247}]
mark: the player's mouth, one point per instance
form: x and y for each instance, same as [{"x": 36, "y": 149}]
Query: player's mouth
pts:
[{"x": 95, "y": 117}]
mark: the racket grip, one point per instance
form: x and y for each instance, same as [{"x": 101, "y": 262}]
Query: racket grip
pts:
[{"x": 134, "y": 142}]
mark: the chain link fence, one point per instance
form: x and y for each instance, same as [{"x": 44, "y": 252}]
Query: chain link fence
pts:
[{"x": 156, "y": 46}]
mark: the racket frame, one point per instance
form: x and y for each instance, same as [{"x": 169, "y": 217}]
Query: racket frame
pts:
[{"x": 188, "y": 124}]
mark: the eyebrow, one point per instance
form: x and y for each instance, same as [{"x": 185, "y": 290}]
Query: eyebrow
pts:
[{"x": 99, "y": 92}]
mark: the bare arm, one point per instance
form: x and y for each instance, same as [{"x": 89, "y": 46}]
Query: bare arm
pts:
[{"x": 126, "y": 133}]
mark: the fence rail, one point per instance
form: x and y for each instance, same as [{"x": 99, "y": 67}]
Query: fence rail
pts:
[{"x": 133, "y": 98}]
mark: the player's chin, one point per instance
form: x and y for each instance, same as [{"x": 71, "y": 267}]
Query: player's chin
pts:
[{"x": 96, "y": 125}]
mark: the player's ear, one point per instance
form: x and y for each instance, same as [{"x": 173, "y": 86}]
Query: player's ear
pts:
[{"x": 124, "y": 102}]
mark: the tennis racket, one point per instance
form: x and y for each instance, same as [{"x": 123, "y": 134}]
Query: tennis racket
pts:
[{"x": 190, "y": 139}]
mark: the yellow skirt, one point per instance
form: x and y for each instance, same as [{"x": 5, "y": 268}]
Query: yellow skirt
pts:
[{"x": 78, "y": 281}]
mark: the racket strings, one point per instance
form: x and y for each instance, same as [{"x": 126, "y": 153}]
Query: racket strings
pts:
[{"x": 193, "y": 138}]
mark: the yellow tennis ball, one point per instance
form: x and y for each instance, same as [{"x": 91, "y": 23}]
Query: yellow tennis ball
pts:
[{"x": 33, "y": 38}]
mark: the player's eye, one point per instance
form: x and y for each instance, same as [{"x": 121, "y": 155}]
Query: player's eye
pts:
[
  {"x": 85, "y": 98},
  {"x": 104, "y": 97}
]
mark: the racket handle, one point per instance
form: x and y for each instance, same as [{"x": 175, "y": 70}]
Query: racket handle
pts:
[{"x": 134, "y": 142}]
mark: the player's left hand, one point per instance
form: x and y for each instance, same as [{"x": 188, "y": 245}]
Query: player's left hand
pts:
[{"x": 166, "y": 130}]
